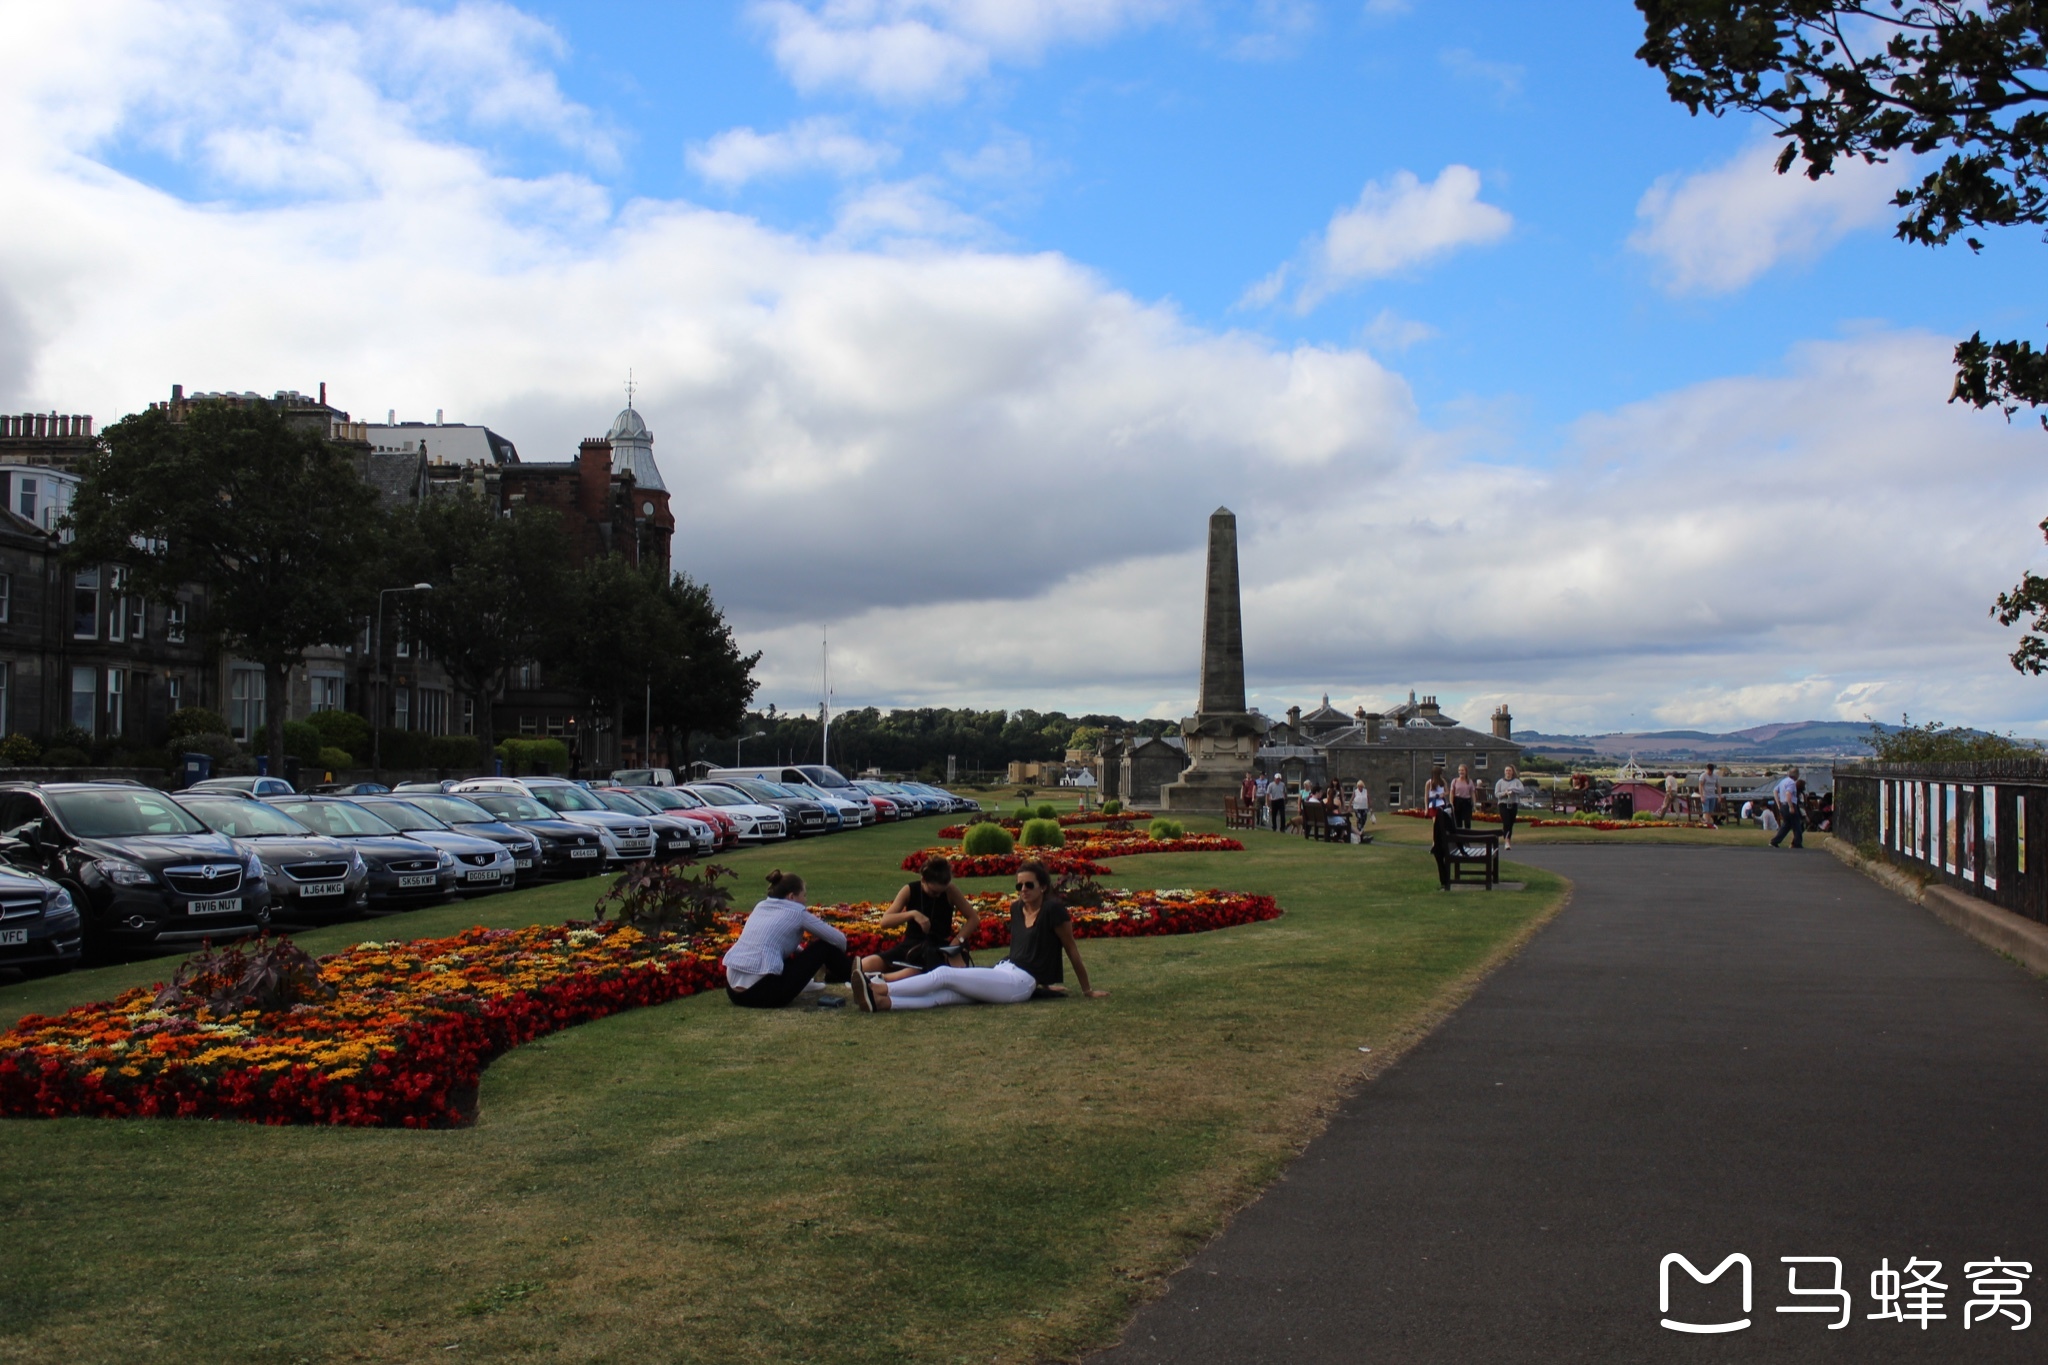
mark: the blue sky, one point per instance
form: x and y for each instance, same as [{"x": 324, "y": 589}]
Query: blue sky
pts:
[{"x": 1527, "y": 385}]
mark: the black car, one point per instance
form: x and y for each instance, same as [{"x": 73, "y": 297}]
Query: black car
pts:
[
  {"x": 410, "y": 812},
  {"x": 311, "y": 877},
  {"x": 675, "y": 835},
  {"x": 141, "y": 870},
  {"x": 39, "y": 926},
  {"x": 801, "y": 815},
  {"x": 567, "y": 849},
  {"x": 403, "y": 872}
]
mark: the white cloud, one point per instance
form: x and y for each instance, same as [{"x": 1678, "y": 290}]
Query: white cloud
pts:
[
  {"x": 738, "y": 155},
  {"x": 1392, "y": 228},
  {"x": 1717, "y": 230},
  {"x": 911, "y": 51},
  {"x": 1047, "y": 446}
]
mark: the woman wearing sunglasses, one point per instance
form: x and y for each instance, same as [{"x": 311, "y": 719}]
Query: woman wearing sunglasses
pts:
[{"x": 1041, "y": 931}]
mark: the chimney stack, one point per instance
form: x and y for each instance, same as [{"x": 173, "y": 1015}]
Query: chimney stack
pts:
[
  {"x": 1372, "y": 727},
  {"x": 437, "y": 417},
  {"x": 1503, "y": 723},
  {"x": 323, "y": 393}
]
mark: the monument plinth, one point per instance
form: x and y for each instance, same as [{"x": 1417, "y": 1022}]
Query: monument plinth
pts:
[{"x": 1222, "y": 736}]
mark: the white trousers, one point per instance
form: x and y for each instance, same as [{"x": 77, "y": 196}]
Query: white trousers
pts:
[{"x": 1003, "y": 984}]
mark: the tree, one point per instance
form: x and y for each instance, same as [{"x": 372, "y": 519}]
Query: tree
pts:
[
  {"x": 1871, "y": 78},
  {"x": 272, "y": 520},
  {"x": 706, "y": 683},
  {"x": 1934, "y": 742},
  {"x": 499, "y": 589}
]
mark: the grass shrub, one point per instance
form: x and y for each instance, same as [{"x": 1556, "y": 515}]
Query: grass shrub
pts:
[
  {"x": 1042, "y": 834},
  {"x": 1112, "y": 806},
  {"x": 1046, "y": 811},
  {"x": 455, "y": 751},
  {"x": 19, "y": 748},
  {"x": 193, "y": 720},
  {"x": 65, "y": 756},
  {"x": 524, "y": 756},
  {"x": 335, "y": 760},
  {"x": 987, "y": 840},
  {"x": 340, "y": 730},
  {"x": 302, "y": 741},
  {"x": 1163, "y": 828}
]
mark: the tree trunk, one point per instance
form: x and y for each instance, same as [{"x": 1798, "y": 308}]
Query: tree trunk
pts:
[
  {"x": 486, "y": 733},
  {"x": 274, "y": 702}
]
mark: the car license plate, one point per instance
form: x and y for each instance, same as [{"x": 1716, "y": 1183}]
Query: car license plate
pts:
[
  {"x": 584, "y": 852},
  {"x": 11, "y": 937},
  {"x": 647, "y": 847},
  {"x": 484, "y": 874},
  {"x": 226, "y": 907},
  {"x": 522, "y": 863},
  {"x": 417, "y": 879},
  {"x": 679, "y": 843},
  {"x": 323, "y": 889}
]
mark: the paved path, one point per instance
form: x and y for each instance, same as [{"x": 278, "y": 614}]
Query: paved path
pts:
[{"x": 1709, "y": 1051}]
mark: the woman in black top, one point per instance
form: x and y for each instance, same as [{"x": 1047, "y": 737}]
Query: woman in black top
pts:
[
  {"x": 1040, "y": 932},
  {"x": 926, "y": 909}
]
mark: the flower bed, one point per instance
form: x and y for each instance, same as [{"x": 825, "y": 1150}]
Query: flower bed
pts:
[
  {"x": 1575, "y": 822},
  {"x": 1081, "y": 853},
  {"x": 1094, "y": 817},
  {"x": 411, "y": 1025}
]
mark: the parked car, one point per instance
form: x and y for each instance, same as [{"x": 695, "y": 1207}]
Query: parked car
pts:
[
  {"x": 893, "y": 802},
  {"x": 349, "y": 789},
  {"x": 803, "y": 816},
  {"x": 40, "y": 929},
  {"x": 675, "y": 835},
  {"x": 447, "y": 784},
  {"x": 674, "y": 800},
  {"x": 643, "y": 777},
  {"x": 138, "y": 867},
  {"x": 755, "y": 823},
  {"x": 403, "y": 872},
  {"x": 567, "y": 849},
  {"x": 308, "y": 874},
  {"x": 412, "y": 816},
  {"x": 481, "y": 865},
  {"x": 816, "y": 781},
  {"x": 625, "y": 837},
  {"x": 248, "y": 786}
]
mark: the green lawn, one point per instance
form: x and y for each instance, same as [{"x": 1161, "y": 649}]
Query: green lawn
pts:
[{"x": 695, "y": 1182}]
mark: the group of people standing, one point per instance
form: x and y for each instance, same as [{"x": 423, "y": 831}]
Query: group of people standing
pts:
[
  {"x": 1267, "y": 797},
  {"x": 783, "y": 948},
  {"x": 1458, "y": 799}
]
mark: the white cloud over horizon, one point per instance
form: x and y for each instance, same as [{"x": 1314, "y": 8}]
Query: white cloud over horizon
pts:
[
  {"x": 739, "y": 155},
  {"x": 1717, "y": 230},
  {"x": 1391, "y": 229},
  {"x": 988, "y": 470}
]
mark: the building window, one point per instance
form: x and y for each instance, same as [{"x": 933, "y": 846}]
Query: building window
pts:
[
  {"x": 1393, "y": 796},
  {"x": 433, "y": 711},
  {"x": 525, "y": 677},
  {"x": 555, "y": 727},
  {"x": 403, "y": 649},
  {"x": 6, "y": 597},
  {"x": 528, "y": 726},
  {"x": 174, "y": 623},
  {"x": 326, "y": 691},
  {"x": 1478, "y": 760},
  {"x": 246, "y": 716},
  {"x": 117, "y": 702},
  {"x": 117, "y": 611},
  {"x": 26, "y": 504},
  {"x": 174, "y": 693},
  {"x": 401, "y": 708},
  {"x": 1438, "y": 759},
  {"x": 469, "y": 715},
  {"x": 85, "y": 605},
  {"x": 138, "y": 617},
  {"x": 84, "y": 693}
]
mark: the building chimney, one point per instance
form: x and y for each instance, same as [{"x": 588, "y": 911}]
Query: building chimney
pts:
[
  {"x": 177, "y": 393},
  {"x": 594, "y": 479},
  {"x": 1294, "y": 719},
  {"x": 1372, "y": 726},
  {"x": 1503, "y": 723},
  {"x": 323, "y": 393},
  {"x": 391, "y": 417},
  {"x": 437, "y": 417}
]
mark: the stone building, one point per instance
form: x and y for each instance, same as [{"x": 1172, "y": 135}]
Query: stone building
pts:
[
  {"x": 1147, "y": 765},
  {"x": 1392, "y": 752}
]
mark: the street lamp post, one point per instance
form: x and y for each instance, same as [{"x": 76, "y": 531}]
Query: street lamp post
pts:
[
  {"x": 742, "y": 740},
  {"x": 377, "y": 668}
]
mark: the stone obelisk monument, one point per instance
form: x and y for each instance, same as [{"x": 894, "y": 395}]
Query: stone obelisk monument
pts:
[{"x": 1222, "y": 737}]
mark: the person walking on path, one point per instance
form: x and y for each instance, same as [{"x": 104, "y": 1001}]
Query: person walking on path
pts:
[
  {"x": 1276, "y": 804},
  {"x": 1507, "y": 796},
  {"x": 1259, "y": 790},
  {"x": 1710, "y": 798},
  {"x": 1443, "y": 838},
  {"x": 764, "y": 968},
  {"x": 1361, "y": 806},
  {"x": 1463, "y": 789},
  {"x": 1791, "y": 817},
  {"x": 1434, "y": 792}
]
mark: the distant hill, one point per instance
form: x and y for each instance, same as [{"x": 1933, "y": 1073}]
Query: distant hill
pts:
[{"x": 1831, "y": 739}]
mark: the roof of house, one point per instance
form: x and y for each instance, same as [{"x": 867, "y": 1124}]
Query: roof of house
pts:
[{"x": 1437, "y": 738}]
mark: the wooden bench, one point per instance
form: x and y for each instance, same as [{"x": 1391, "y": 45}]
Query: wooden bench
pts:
[
  {"x": 1475, "y": 857},
  {"x": 1239, "y": 816}
]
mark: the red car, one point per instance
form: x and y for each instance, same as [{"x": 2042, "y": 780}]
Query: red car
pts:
[{"x": 694, "y": 806}]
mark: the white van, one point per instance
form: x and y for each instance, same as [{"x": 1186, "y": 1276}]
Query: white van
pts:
[
  {"x": 643, "y": 777},
  {"x": 819, "y": 782}
]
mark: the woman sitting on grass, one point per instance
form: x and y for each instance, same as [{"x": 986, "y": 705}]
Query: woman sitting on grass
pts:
[
  {"x": 765, "y": 968},
  {"x": 926, "y": 909},
  {"x": 1040, "y": 930}
]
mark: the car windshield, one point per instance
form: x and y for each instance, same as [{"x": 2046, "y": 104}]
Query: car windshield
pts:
[
  {"x": 508, "y": 807},
  {"x": 824, "y": 777},
  {"x": 455, "y": 810},
  {"x": 122, "y": 814},
  {"x": 668, "y": 798},
  {"x": 405, "y": 817},
  {"x": 336, "y": 818},
  {"x": 720, "y": 796},
  {"x": 623, "y": 803},
  {"x": 566, "y": 797},
  {"x": 247, "y": 819}
]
